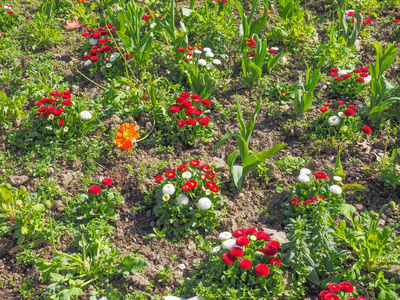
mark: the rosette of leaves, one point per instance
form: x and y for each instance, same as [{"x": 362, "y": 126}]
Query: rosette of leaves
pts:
[
  {"x": 20, "y": 213},
  {"x": 85, "y": 207},
  {"x": 180, "y": 213}
]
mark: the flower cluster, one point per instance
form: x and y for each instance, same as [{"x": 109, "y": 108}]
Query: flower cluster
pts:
[
  {"x": 198, "y": 65},
  {"x": 7, "y": 17},
  {"x": 6, "y": 8},
  {"x": 362, "y": 75},
  {"x": 252, "y": 44},
  {"x": 349, "y": 82},
  {"x": 193, "y": 56},
  {"x": 188, "y": 198},
  {"x": 103, "y": 55},
  {"x": 187, "y": 110},
  {"x": 350, "y": 16},
  {"x": 236, "y": 246},
  {"x": 54, "y": 107},
  {"x": 339, "y": 291},
  {"x": 341, "y": 122},
  {"x": 95, "y": 189},
  {"x": 188, "y": 119},
  {"x": 147, "y": 17},
  {"x": 310, "y": 194},
  {"x": 99, "y": 201}
]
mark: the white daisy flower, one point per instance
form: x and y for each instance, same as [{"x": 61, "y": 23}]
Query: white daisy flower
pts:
[
  {"x": 340, "y": 114},
  {"x": 337, "y": 178},
  {"x": 168, "y": 189},
  {"x": 204, "y": 203},
  {"x": 152, "y": 25},
  {"x": 305, "y": 171},
  {"x": 197, "y": 51},
  {"x": 216, "y": 249},
  {"x": 165, "y": 197},
  {"x": 88, "y": 63},
  {"x": 209, "y": 54},
  {"x": 226, "y": 235},
  {"x": 202, "y": 62},
  {"x": 335, "y": 189},
  {"x": 216, "y": 62},
  {"x": 275, "y": 48},
  {"x": 108, "y": 65},
  {"x": 93, "y": 41},
  {"x": 206, "y": 49},
  {"x": 333, "y": 121},
  {"x": 186, "y": 175},
  {"x": 303, "y": 178},
  {"x": 182, "y": 199},
  {"x": 85, "y": 115},
  {"x": 229, "y": 244}
]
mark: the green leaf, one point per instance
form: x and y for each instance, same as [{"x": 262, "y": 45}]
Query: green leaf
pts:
[
  {"x": 347, "y": 210},
  {"x": 227, "y": 135},
  {"x": 353, "y": 186},
  {"x": 187, "y": 12},
  {"x": 237, "y": 173},
  {"x": 134, "y": 265},
  {"x": 313, "y": 277},
  {"x": 338, "y": 165},
  {"x": 56, "y": 277}
]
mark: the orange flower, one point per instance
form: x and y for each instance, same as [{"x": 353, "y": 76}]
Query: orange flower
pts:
[{"x": 125, "y": 134}]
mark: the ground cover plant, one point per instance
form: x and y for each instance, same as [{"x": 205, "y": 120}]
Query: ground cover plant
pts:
[{"x": 223, "y": 149}]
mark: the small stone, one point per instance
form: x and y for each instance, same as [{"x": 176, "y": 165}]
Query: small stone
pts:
[
  {"x": 76, "y": 165},
  {"x": 152, "y": 224},
  {"x": 278, "y": 235},
  {"x": 182, "y": 266},
  {"x": 138, "y": 280},
  {"x": 17, "y": 180},
  {"x": 114, "y": 119},
  {"x": 67, "y": 179},
  {"x": 220, "y": 165},
  {"x": 148, "y": 213},
  {"x": 58, "y": 205},
  {"x": 359, "y": 206}
]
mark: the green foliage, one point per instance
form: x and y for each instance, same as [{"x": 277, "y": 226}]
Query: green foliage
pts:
[
  {"x": 254, "y": 66},
  {"x": 303, "y": 93},
  {"x": 249, "y": 162},
  {"x": 21, "y": 212},
  {"x": 95, "y": 264},
  {"x": 42, "y": 32},
  {"x": 288, "y": 164},
  {"x": 373, "y": 249},
  {"x": 347, "y": 130},
  {"x": 250, "y": 27},
  {"x": 383, "y": 94},
  {"x": 85, "y": 207}
]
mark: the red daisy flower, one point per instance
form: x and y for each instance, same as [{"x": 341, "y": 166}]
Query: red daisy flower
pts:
[
  {"x": 94, "y": 189},
  {"x": 321, "y": 175},
  {"x": 107, "y": 181},
  {"x": 261, "y": 270},
  {"x": 245, "y": 264},
  {"x": 366, "y": 130}
]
